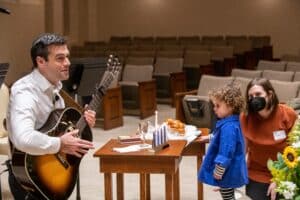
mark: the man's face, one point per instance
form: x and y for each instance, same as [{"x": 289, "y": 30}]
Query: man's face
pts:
[{"x": 57, "y": 67}]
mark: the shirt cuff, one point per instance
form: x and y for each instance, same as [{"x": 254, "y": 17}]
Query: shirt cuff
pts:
[
  {"x": 56, "y": 144},
  {"x": 219, "y": 170}
]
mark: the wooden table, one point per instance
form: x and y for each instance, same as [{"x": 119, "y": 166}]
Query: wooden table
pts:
[
  {"x": 197, "y": 148},
  {"x": 143, "y": 162}
]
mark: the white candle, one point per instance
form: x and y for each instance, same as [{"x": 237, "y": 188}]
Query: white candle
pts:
[{"x": 156, "y": 123}]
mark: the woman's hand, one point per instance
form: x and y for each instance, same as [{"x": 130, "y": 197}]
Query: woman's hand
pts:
[{"x": 272, "y": 191}]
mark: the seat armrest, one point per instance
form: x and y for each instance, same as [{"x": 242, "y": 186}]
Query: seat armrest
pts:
[{"x": 178, "y": 104}]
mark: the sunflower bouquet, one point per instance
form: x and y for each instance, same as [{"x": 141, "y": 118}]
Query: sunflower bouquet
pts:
[{"x": 286, "y": 169}]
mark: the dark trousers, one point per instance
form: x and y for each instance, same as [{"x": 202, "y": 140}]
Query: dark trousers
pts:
[
  {"x": 16, "y": 189},
  {"x": 258, "y": 191}
]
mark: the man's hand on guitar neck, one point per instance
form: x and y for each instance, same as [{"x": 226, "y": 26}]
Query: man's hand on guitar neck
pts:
[
  {"x": 71, "y": 144},
  {"x": 90, "y": 117}
]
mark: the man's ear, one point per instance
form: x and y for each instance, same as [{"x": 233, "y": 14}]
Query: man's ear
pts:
[{"x": 40, "y": 61}]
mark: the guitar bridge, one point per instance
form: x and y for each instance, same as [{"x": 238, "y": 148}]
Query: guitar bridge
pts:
[{"x": 62, "y": 160}]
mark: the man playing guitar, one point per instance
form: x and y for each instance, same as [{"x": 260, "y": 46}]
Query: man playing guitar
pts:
[{"x": 33, "y": 98}]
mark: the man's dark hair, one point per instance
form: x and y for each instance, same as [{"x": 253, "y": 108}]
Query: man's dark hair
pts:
[{"x": 40, "y": 45}]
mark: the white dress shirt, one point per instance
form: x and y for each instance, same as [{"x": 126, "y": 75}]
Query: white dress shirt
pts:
[{"x": 32, "y": 99}]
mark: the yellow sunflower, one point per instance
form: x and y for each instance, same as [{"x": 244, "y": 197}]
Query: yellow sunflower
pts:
[{"x": 290, "y": 157}]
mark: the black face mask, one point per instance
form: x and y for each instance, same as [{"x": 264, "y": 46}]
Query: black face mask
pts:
[{"x": 256, "y": 104}]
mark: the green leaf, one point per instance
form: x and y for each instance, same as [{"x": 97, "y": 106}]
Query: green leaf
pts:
[{"x": 270, "y": 164}]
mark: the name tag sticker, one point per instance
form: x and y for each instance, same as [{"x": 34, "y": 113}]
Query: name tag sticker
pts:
[{"x": 279, "y": 135}]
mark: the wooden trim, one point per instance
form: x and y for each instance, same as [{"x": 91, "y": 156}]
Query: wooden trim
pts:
[
  {"x": 177, "y": 84},
  {"x": 147, "y": 96},
  {"x": 112, "y": 108}
]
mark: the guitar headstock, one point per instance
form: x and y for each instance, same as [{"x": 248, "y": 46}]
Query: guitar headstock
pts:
[
  {"x": 112, "y": 72},
  {"x": 113, "y": 64}
]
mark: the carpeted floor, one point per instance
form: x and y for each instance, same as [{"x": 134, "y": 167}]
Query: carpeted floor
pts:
[{"x": 92, "y": 181}]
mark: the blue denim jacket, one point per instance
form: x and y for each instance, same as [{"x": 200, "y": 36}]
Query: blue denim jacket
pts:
[{"x": 227, "y": 149}]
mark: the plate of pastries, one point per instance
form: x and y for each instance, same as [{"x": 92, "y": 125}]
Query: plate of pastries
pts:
[{"x": 179, "y": 128}]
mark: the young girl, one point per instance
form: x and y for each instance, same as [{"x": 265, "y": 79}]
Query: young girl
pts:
[{"x": 224, "y": 165}]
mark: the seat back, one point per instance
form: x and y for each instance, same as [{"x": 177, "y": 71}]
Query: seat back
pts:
[
  {"x": 143, "y": 40},
  {"x": 165, "y": 66},
  {"x": 198, "y": 111},
  {"x": 221, "y": 52},
  {"x": 290, "y": 58},
  {"x": 142, "y": 53},
  {"x": 246, "y": 73},
  {"x": 185, "y": 40},
  {"x": 209, "y": 82},
  {"x": 271, "y": 65},
  {"x": 140, "y": 60},
  {"x": 137, "y": 73},
  {"x": 170, "y": 53},
  {"x": 297, "y": 76},
  {"x": 292, "y": 66},
  {"x": 217, "y": 40},
  {"x": 260, "y": 41},
  {"x": 166, "y": 40},
  {"x": 278, "y": 75},
  {"x": 240, "y": 44},
  {"x": 93, "y": 70},
  {"x": 242, "y": 82},
  {"x": 4, "y": 96},
  {"x": 285, "y": 90},
  {"x": 194, "y": 58}
]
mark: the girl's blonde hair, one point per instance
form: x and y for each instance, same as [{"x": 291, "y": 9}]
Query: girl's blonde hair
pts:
[{"x": 231, "y": 94}]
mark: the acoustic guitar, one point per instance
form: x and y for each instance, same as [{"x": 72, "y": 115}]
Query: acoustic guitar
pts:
[{"x": 53, "y": 176}]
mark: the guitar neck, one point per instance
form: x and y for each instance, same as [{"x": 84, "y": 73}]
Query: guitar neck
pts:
[
  {"x": 93, "y": 105},
  {"x": 110, "y": 74}
]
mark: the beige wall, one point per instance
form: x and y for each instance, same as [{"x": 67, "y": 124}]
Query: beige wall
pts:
[
  {"x": 99, "y": 19},
  {"x": 18, "y": 30},
  {"x": 278, "y": 18}
]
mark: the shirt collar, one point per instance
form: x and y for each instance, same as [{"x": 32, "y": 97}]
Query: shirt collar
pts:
[
  {"x": 230, "y": 118},
  {"x": 43, "y": 83}
]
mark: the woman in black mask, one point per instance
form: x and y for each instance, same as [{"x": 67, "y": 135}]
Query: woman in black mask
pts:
[{"x": 265, "y": 126}]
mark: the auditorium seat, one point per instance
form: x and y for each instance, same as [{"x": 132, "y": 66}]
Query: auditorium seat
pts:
[
  {"x": 138, "y": 90},
  {"x": 246, "y": 73},
  {"x": 170, "y": 78},
  {"x": 278, "y": 75}
]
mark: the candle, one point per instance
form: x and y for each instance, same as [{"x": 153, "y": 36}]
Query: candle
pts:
[{"x": 156, "y": 119}]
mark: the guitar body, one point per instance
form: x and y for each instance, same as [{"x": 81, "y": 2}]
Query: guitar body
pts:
[{"x": 51, "y": 176}]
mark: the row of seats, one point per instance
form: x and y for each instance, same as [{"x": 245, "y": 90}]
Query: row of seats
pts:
[
  {"x": 193, "y": 107},
  {"x": 278, "y": 65},
  {"x": 219, "y": 46},
  {"x": 256, "y": 41},
  {"x": 269, "y": 74},
  {"x": 291, "y": 57}
]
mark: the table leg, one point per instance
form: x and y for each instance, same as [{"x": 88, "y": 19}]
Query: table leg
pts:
[
  {"x": 176, "y": 185},
  {"x": 107, "y": 186},
  {"x": 169, "y": 186},
  {"x": 200, "y": 185},
  {"x": 120, "y": 186},
  {"x": 148, "y": 190},
  {"x": 143, "y": 186}
]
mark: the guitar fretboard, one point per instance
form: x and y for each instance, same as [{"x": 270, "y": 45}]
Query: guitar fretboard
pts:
[{"x": 97, "y": 98}]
